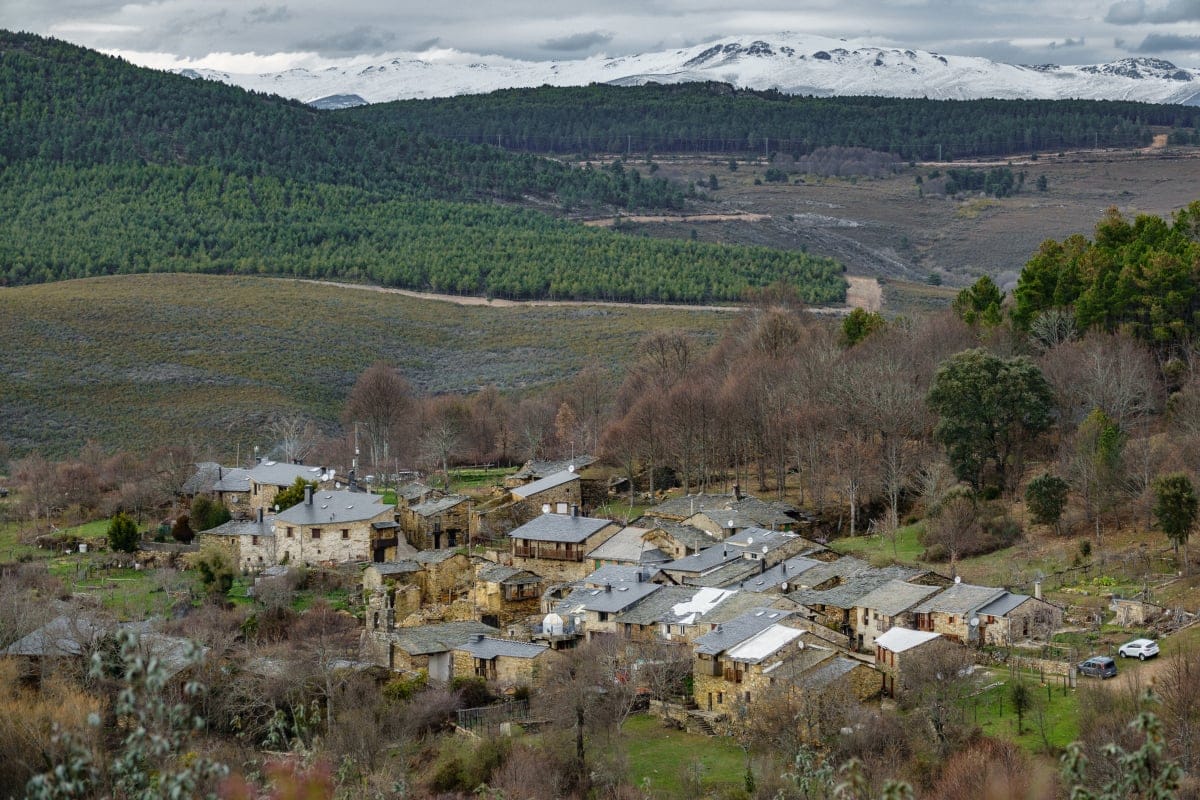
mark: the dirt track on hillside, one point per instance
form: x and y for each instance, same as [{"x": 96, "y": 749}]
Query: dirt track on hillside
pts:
[
  {"x": 608, "y": 222},
  {"x": 863, "y": 293}
]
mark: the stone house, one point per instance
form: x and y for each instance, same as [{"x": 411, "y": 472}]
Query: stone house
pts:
[
  {"x": 441, "y": 576},
  {"x": 897, "y": 649},
  {"x": 426, "y": 647},
  {"x": 670, "y": 614},
  {"x": 1013, "y": 617},
  {"x": 335, "y": 527},
  {"x": 735, "y": 661},
  {"x": 436, "y": 522},
  {"x": 535, "y": 470},
  {"x": 414, "y": 493},
  {"x": 555, "y": 546},
  {"x": 504, "y": 594},
  {"x": 630, "y": 545},
  {"x": 249, "y": 542},
  {"x": 674, "y": 539},
  {"x": 228, "y": 485},
  {"x": 954, "y": 612},
  {"x": 504, "y": 662},
  {"x": 600, "y": 607},
  {"x": 560, "y": 492},
  {"x": 268, "y": 478},
  {"x": 888, "y": 605}
]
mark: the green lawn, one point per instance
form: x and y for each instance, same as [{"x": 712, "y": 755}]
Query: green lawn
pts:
[
  {"x": 907, "y": 548},
  {"x": 478, "y": 477},
  {"x": 658, "y": 756},
  {"x": 993, "y": 711},
  {"x": 11, "y": 548},
  {"x": 620, "y": 510}
]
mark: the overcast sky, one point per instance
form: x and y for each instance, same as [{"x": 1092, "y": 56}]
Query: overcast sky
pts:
[{"x": 253, "y": 36}]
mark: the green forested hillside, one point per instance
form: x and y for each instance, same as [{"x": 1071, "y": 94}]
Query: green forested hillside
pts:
[
  {"x": 67, "y": 105},
  {"x": 714, "y": 117},
  {"x": 108, "y": 168},
  {"x": 72, "y": 222}
]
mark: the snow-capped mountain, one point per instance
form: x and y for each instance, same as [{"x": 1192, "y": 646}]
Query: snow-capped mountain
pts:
[{"x": 791, "y": 63}]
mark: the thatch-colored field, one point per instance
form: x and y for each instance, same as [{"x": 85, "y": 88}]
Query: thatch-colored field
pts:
[{"x": 151, "y": 359}]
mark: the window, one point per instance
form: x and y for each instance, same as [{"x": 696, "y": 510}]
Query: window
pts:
[
  {"x": 316, "y": 533},
  {"x": 289, "y": 532},
  {"x": 720, "y": 698},
  {"x": 604, "y": 616},
  {"x": 345, "y": 533},
  {"x": 254, "y": 540}
]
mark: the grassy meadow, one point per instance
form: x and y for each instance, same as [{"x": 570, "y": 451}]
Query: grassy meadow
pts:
[{"x": 141, "y": 360}]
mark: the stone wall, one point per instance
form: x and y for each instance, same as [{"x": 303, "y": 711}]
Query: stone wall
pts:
[
  {"x": 568, "y": 493},
  {"x": 338, "y": 541}
]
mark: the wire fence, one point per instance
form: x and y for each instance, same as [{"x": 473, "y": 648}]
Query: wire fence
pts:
[{"x": 488, "y": 719}]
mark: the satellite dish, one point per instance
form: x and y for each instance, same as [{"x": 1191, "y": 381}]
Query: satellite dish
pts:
[
  {"x": 783, "y": 586},
  {"x": 974, "y": 622},
  {"x": 765, "y": 549},
  {"x": 571, "y": 468},
  {"x": 749, "y": 539},
  {"x": 958, "y": 578}
]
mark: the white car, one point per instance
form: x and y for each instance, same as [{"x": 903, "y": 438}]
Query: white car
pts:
[{"x": 1139, "y": 648}]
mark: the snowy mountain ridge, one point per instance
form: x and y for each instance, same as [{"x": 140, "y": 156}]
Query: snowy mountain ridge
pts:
[{"x": 790, "y": 63}]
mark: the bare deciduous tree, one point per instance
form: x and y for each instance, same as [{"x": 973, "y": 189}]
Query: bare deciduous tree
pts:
[{"x": 381, "y": 405}]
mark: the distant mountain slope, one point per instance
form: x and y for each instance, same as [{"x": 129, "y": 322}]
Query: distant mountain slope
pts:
[
  {"x": 715, "y": 118},
  {"x": 65, "y": 104},
  {"x": 790, "y": 63}
]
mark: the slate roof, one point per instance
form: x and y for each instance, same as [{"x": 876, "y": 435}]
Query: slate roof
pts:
[
  {"x": 628, "y": 545},
  {"x": 692, "y": 538},
  {"x": 898, "y": 640},
  {"x": 620, "y": 597},
  {"x": 671, "y": 605},
  {"x": 730, "y": 573},
  {"x": 828, "y": 672},
  {"x": 498, "y": 573},
  {"x": 1003, "y": 604},
  {"x": 754, "y": 539},
  {"x": 559, "y": 528},
  {"x": 281, "y": 473},
  {"x": 431, "y": 507},
  {"x": 202, "y": 479},
  {"x": 233, "y": 479},
  {"x": 619, "y": 573},
  {"x": 242, "y": 527},
  {"x": 545, "y": 484},
  {"x": 844, "y": 567},
  {"x": 739, "y": 629},
  {"x": 434, "y": 556},
  {"x": 783, "y": 572},
  {"x": 736, "y": 604},
  {"x": 396, "y": 567},
  {"x": 959, "y": 598},
  {"x": 488, "y": 648},
  {"x": 62, "y": 636},
  {"x": 895, "y": 597},
  {"x": 332, "y": 507},
  {"x": 680, "y": 508},
  {"x": 413, "y": 491},
  {"x": 705, "y": 561},
  {"x": 763, "y": 644},
  {"x": 438, "y": 638},
  {"x": 845, "y": 595},
  {"x": 70, "y": 637},
  {"x": 534, "y": 469}
]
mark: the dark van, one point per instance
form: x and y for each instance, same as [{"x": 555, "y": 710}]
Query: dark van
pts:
[{"x": 1098, "y": 667}]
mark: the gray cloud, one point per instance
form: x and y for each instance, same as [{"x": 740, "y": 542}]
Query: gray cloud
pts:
[
  {"x": 1068, "y": 42},
  {"x": 1169, "y": 43},
  {"x": 291, "y": 31},
  {"x": 576, "y": 42},
  {"x": 1132, "y": 12},
  {"x": 361, "y": 39},
  {"x": 268, "y": 14}
]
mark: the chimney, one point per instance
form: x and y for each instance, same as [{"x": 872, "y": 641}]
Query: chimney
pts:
[
  {"x": 737, "y": 492},
  {"x": 608, "y": 587},
  {"x": 640, "y": 576},
  {"x": 763, "y": 562},
  {"x": 1037, "y": 589},
  {"x": 308, "y": 495},
  {"x": 574, "y": 509},
  {"x": 477, "y": 637},
  {"x": 260, "y": 515},
  {"x": 220, "y": 472}
]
